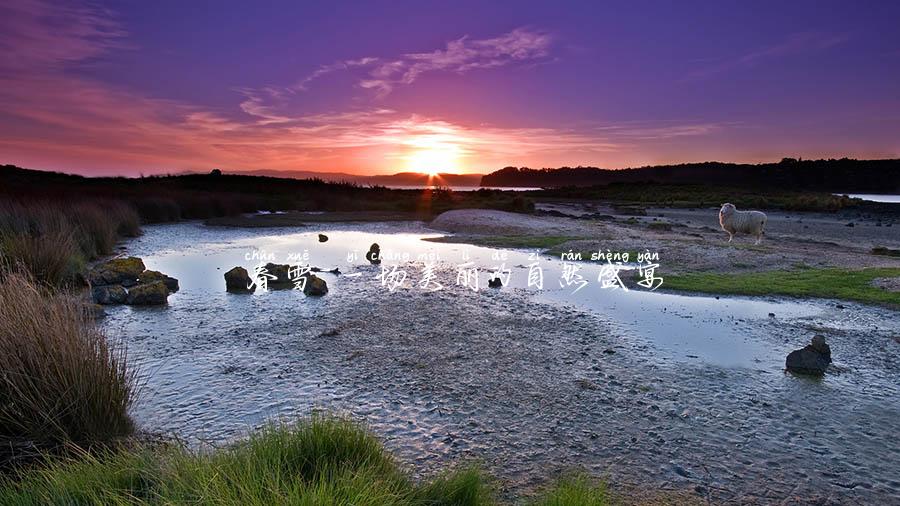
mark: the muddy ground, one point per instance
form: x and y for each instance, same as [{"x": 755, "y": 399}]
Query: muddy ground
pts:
[{"x": 690, "y": 240}]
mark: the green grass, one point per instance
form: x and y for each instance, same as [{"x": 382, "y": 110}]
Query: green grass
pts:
[
  {"x": 832, "y": 283},
  {"x": 320, "y": 460},
  {"x": 317, "y": 461},
  {"x": 507, "y": 241},
  {"x": 573, "y": 490}
]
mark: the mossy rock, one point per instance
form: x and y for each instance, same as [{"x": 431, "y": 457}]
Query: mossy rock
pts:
[
  {"x": 151, "y": 276},
  {"x": 118, "y": 271},
  {"x": 109, "y": 294},
  {"x": 150, "y": 294}
]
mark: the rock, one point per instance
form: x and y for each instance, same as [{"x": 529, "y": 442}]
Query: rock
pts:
[
  {"x": 495, "y": 283},
  {"x": 282, "y": 275},
  {"x": 850, "y": 224},
  {"x": 818, "y": 344},
  {"x": 813, "y": 359},
  {"x": 323, "y": 237},
  {"x": 118, "y": 271},
  {"x": 151, "y": 276},
  {"x": 110, "y": 294},
  {"x": 315, "y": 286},
  {"x": 150, "y": 294},
  {"x": 374, "y": 254},
  {"x": 238, "y": 280}
]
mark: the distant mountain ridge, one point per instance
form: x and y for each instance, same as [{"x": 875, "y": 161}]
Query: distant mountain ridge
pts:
[{"x": 844, "y": 175}]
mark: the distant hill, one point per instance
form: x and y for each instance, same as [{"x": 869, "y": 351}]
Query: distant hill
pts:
[
  {"x": 398, "y": 179},
  {"x": 844, "y": 175}
]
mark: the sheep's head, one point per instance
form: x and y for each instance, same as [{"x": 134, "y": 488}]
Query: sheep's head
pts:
[{"x": 727, "y": 209}]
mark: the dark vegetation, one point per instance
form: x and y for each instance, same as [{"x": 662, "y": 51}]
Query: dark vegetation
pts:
[
  {"x": 844, "y": 175},
  {"x": 198, "y": 196},
  {"x": 696, "y": 195}
]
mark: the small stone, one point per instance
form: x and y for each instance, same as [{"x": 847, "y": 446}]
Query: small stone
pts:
[
  {"x": 374, "y": 254},
  {"x": 323, "y": 237},
  {"x": 315, "y": 286},
  {"x": 495, "y": 283}
]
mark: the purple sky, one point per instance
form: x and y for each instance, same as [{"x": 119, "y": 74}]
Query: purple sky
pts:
[{"x": 368, "y": 87}]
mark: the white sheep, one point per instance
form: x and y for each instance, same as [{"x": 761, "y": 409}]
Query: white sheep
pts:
[{"x": 742, "y": 222}]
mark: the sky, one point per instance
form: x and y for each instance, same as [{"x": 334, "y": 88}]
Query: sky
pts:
[{"x": 129, "y": 88}]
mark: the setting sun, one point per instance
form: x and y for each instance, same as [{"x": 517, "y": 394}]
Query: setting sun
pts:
[{"x": 433, "y": 153}]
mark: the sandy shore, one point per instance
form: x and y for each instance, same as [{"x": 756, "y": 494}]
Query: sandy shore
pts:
[{"x": 691, "y": 240}]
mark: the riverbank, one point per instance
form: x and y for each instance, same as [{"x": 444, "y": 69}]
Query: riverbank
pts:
[{"x": 691, "y": 245}]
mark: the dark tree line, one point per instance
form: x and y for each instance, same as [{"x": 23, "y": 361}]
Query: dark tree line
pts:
[{"x": 844, "y": 175}]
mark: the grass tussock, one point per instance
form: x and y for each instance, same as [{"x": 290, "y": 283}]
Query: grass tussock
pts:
[
  {"x": 578, "y": 489},
  {"x": 320, "y": 460},
  {"x": 832, "y": 283},
  {"x": 54, "y": 241},
  {"x": 61, "y": 381}
]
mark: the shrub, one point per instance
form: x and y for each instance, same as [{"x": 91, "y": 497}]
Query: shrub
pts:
[
  {"x": 157, "y": 209},
  {"x": 61, "y": 381}
]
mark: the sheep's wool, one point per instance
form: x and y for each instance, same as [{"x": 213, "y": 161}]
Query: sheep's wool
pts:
[{"x": 742, "y": 222}]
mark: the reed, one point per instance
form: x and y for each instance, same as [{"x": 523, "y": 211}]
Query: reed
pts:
[{"x": 62, "y": 382}]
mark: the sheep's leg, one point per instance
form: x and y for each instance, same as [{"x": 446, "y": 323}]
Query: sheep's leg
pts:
[
  {"x": 758, "y": 238},
  {"x": 730, "y": 236}
]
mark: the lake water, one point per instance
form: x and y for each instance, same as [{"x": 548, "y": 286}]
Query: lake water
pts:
[
  {"x": 874, "y": 197},
  {"x": 639, "y": 385}
]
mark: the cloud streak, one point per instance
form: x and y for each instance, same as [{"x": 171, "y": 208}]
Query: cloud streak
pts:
[{"x": 795, "y": 44}]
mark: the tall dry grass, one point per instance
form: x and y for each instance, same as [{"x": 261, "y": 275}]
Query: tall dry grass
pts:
[
  {"x": 54, "y": 240},
  {"x": 61, "y": 380}
]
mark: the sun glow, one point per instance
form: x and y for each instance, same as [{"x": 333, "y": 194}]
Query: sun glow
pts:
[{"x": 430, "y": 155}]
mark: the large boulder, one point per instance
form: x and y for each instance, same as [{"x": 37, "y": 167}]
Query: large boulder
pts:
[
  {"x": 813, "y": 359},
  {"x": 109, "y": 294},
  {"x": 315, "y": 286},
  {"x": 150, "y": 294},
  {"x": 282, "y": 276},
  {"x": 118, "y": 271},
  {"x": 374, "y": 254},
  {"x": 238, "y": 280},
  {"x": 151, "y": 276}
]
